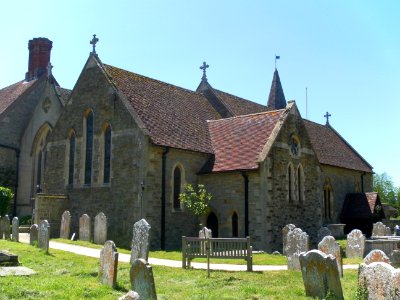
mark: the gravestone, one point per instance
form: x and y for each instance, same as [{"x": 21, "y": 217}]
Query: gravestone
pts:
[
  {"x": 328, "y": 245},
  {"x": 323, "y": 232},
  {"x": 85, "y": 228},
  {"x": 285, "y": 231},
  {"x": 142, "y": 280},
  {"x": 376, "y": 256},
  {"x": 378, "y": 229},
  {"x": 388, "y": 232},
  {"x": 205, "y": 233},
  {"x": 44, "y": 235},
  {"x": 65, "y": 227},
  {"x": 5, "y": 227},
  {"x": 108, "y": 264},
  {"x": 379, "y": 280},
  {"x": 140, "y": 241},
  {"x": 355, "y": 244},
  {"x": 297, "y": 241},
  {"x": 33, "y": 234},
  {"x": 15, "y": 229},
  {"x": 320, "y": 274},
  {"x": 100, "y": 229}
]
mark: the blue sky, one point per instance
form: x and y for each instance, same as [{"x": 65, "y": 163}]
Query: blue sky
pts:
[{"x": 346, "y": 53}]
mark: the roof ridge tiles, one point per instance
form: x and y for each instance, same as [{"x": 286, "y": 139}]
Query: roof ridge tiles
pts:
[{"x": 248, "y": 115}]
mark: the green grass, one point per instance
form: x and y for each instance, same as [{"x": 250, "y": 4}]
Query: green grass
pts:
[{"x": 63, "y": 275}]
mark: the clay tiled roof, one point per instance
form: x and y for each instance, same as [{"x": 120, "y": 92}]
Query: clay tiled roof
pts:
[
  {"x": 238, "y": 141},
  {"x": 333, "y": 150},
  {"x": 239, "y": 106},
  {"x": 11, "y": 93},
  {"x": 174, "y": 116}
]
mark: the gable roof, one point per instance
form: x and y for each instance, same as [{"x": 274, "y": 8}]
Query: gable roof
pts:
[
  {"x": 238, "y": 141},
  {"x": 11, "y": 93},
  {"x": 239, "y": 106},
  {"x": 332, "y": 149}
]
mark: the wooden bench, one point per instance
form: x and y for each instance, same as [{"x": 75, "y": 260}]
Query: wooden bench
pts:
[{"x": 193, "y": 247}]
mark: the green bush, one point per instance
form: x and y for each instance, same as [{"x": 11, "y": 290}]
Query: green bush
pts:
[{"x": 6, "y": 196}]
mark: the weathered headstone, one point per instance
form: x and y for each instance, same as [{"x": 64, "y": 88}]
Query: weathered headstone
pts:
[
  {"x": 65, "y": 227},
  {"x": 5, "y": 227},
  {"x": 131, "y": 295},
  {"x": 285, "y": 231},
  {"x": 378, "y": 229},
  {"x": 33, "y": 234},
  {"x": 205, "y": 233},
  {"x": 142, "y": 280},
  {"x": 376, "y": 256},
  {"x": 108, "y": 264},
  {"x": 388, "y": 232},
  {"x": 140, "y": 241},
  {"x": 44, "y": 235},
  {"x": 15, "y": 229},
  {"x": 297, "y": 241},
  {"x": 323, "y": 232},
  {"x": 395, "y": 257},
  {"x": 85, "y": 232},
  {"x": 379, "y": 280},
  {"x": 355, "y": 244},
  {"x": 100, "y": 229},
  {"x": 328, "y": 245},
  {"x": 320, "y": 274}
]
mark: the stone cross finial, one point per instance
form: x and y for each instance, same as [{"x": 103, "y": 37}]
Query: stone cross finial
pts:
[
  {"x": 327, "y": 115},
  {"x": 94, "y": 42},
  {"x": 204, "y": 67},
  {"x": 49, "y": 69}
]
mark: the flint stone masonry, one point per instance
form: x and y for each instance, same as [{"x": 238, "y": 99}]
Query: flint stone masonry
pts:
[
  {"x": 205, "y": 233},
  {"x": 355, "y": 244},
  {"x": 5, "y": 227},
  {"x": 140, "y": 241},
  {"x": 33, "y": 234},
  {"x": 142, "y": 280},
  {"x": 380, "y": 280},
  {"x": 320, "y": 274},
  {"x": 323, "y": 232},
  {"x": 65, "y": 228},
  {"x": 100, "y": 229},
  {"x": 376, "y": 256},
  {"x": 85, "y": 232},
  {"x": 328, "y": 245},
  {"x": 44, "y": 235},
  {"x": 15, "y": 229},
  {"x": 108, "y": 264},
  {"x": 379, "y": 229},
  {"x": 285, "y": 231},
  {"x": 297, "y": 241}
]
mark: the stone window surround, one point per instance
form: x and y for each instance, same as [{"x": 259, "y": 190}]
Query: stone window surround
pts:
[
  {"x": 83, "y": 158},
  {"x": 183, "y": 182},
  {"x": 296, "y": 188},
  {"x": 39, "y": 148},
  {"x": 71, "y": 132},
  {"x": 328, "y": 191}
]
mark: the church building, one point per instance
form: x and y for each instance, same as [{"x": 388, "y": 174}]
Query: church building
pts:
[{"x": 125, "y": 144}]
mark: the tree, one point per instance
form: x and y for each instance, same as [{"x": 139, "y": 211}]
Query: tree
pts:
[
  {"x": 6, "y": 196},
  {"x": 196, "y": 200},
  {"x": 384, "y": 185}
]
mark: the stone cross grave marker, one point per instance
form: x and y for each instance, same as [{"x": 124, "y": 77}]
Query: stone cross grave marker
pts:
[
  {"x": 355, "y": 244},
  {"x": 328, "y": 245},
  {"x": 320, "y": 274},
  {"x": 378, "y": 229},
  {"x": 285, "y": 231},
  {"x": 142, "y": 280},
  {"x": 15, "y": 229},
  {"x": 376, "y": 256},
  {"x": 323, "y": 232},
  {"x": 5, "y": 227},
  {"x": 140, "y": 240},
  {"x": 44, "y": 235},
  {"x": 100, "y": 229},
  {"x": 205, "y": 233},
  {"x": 65, "y": 227},
  {"x": 33, "y": 234},
  {"x": 108, "y": 264},
  {"x": 297, "y": 241},
  {"x": 85, "y": 232}
]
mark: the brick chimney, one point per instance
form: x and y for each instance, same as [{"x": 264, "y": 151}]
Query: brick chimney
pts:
[{"x": 39, "y": 57}]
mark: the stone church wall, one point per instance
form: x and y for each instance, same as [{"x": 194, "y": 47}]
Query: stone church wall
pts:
[{"x": 8, "y": 163}]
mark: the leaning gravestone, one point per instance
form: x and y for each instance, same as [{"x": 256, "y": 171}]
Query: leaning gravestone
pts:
[
  {"x": 376, "y": 256},
  {"x": 5, "y": 227},
  {"x": 285, "y": 231},
  {"x": 328, "y": 245},
  {"x": 100, "y": 229},
  {"x": 205, "y": 233},
  {"x": 355, "y": 244},
  {"x": 378, "y": 229},
  {"x": 320, "y": 274},
  {"x": 84, "y": 228},
  {"x": 142, "y": 280},
  {"x": 140, "y": 241},
  {"x": 33, "y": 234},
  {"x": 323, "y": 232},
  {"x": 15, "y": 229},
  {"x": 379, "y": 280},
  {"x": 65, "y": 225},
  {"x": 44, "y": 235},
  {"x": 108, "y": 264},
  {"x": 297, "y": 241}
]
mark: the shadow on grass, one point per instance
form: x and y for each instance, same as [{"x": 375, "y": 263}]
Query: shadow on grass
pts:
[{"x": 120, "y": 288}]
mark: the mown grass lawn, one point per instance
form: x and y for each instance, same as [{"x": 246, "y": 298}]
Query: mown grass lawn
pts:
[{"x": 63, "y": 275}]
